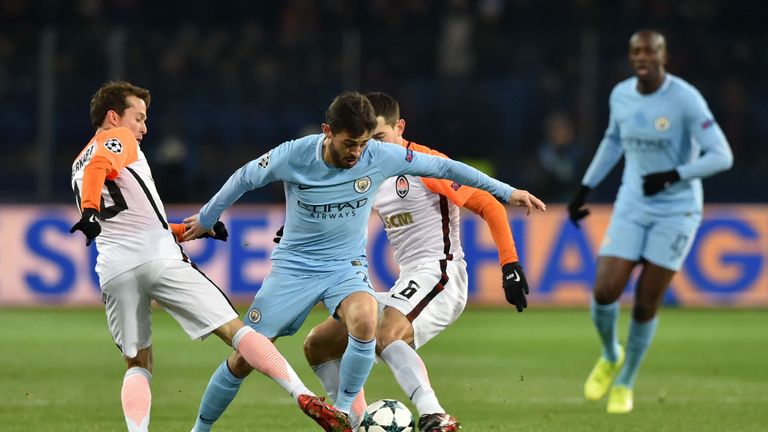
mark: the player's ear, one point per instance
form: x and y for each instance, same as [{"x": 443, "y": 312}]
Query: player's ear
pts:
[
  {"x": 327, "y": 130},
  {"x": 400, "y": 127},
  {"x": 113, "y": 117}
]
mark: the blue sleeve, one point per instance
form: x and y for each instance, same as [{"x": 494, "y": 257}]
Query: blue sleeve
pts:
[
  {"x": 703, "y": 128},
  {"x": 395, "y": 160},
  {"x": 255, "y": 174},
  {"x": 608, "y": 154}
]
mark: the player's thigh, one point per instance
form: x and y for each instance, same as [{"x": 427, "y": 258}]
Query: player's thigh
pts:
[
  {"x": 341, "y": 284},
  {"x": 193, "y": 300},
  {"x": 431, "y": 296},
  {"x": 282, "y": 304},
  {"x": 128, "y": 311},
  {"x": 670, "y": 239},
  {"x": 625, "y": 236}
]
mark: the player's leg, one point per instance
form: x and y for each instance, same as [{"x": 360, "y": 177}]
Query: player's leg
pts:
[
  {"x": 128, "y": 316},
  {"x": 323, "y": 348},
  {"x": 618, "y": 255},
  {"x": 669, "y": 241},
  {"x": 424, "y": 301},
  {"x": 358, "y": 312}
]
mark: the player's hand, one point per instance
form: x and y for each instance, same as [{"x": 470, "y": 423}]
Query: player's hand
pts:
[
  {"x": 195, "y": 230},
  {"x": 576, "y": 210},
  {"x": 523, "y": 198},
  {"x": 515, "y": 285},
  {"x": 88, "y": 224},
  {"x": 279, "y": 235},
  {"x": 219, "y": 232},
  {"x": 654, "y": 183}
]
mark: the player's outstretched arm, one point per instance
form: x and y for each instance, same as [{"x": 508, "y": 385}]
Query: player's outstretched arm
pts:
[{"x": 523, "y": 198}]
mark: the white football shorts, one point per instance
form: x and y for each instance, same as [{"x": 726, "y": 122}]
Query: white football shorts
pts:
[
  {"x": 430, "y": 295},
  {"x": 193, "y": 300}
]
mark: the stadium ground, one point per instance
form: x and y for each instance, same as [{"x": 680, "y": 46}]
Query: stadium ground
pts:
[{"x": 496, "y": 370}]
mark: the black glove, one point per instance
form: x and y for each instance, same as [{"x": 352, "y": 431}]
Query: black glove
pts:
[
  {"x": 88, "y": 224},
  {"x": 515, "y": 285},
  {"x": 278, "y": 235},
  {"x": 576, "y": 212},
  {"x": 656, "y": 182},
  {"x": 219, "y": 232}
]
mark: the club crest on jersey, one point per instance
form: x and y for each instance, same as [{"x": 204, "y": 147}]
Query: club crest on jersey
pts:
[
  {"x": 114, "y": 145},
  {"x": 264, "y": 159},
  {"x": 402, "y": 186},
  {"x": 254, "y": 315},
  {"x": 662, "y": 124},
  {"x": 362, "y": 184}
]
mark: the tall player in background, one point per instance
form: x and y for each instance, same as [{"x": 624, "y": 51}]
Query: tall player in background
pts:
[
  {"x": 661, "y": 124},
  {"x": 139, "y": 259},
  {"x": 421, "y": 219},
  {"x": 330, "y": 182}
]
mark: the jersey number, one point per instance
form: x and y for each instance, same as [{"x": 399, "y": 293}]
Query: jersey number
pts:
[
  {"x": 118, "y": 200},
  {"x": 409, "y": 291}
]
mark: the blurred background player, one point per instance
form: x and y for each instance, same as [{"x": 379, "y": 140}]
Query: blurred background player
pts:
[
  {"x": 140, "y": 260},
  {"x": 421, "y": 219},
  {"x": 330, "y": 182},
  {"x": 661, "y": 124}
]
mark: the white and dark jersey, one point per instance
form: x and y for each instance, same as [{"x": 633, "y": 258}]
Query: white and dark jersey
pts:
[
  {"x": 134, "y": 227},
  {"x": 421, "y": 216}
]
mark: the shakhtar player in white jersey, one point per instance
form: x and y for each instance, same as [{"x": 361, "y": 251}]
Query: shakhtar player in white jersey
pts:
[{"x": 140, "y": 260}]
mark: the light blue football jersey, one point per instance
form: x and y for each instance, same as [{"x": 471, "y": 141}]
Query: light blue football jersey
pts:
[
  {"x": 665, "y": 130},
  {"x": 327, "y": 208}
]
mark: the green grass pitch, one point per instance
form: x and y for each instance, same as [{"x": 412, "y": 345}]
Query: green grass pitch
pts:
[{"x": 495, "y": 370}]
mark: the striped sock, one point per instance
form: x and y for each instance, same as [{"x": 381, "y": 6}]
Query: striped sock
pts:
[
  {"x": 136, "y": 398},
  {"x": 263, "y": 356}
]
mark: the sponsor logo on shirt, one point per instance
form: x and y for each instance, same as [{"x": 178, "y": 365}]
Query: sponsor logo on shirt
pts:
[
  {"x": 333, "y": 210},
  {"x": 398, "y": 220}
]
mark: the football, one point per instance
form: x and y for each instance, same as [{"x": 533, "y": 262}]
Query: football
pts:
[{"x": 387, "y": 415}]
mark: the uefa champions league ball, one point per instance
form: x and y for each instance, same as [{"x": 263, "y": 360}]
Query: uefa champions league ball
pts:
[{"x": 387, "y": 415}]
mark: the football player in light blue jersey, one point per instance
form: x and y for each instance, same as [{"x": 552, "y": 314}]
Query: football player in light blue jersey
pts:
[
  {"x": 330, "y": 182},
  {"x": 669, "y": 139}
]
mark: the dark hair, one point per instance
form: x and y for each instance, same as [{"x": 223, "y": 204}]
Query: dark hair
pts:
[
  {"x": 384, "y": 106},
  {"x": 112, "y": 96},
  {"x": 351, "y": 112}
]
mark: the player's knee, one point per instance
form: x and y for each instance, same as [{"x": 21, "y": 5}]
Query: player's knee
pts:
[
  {"x": 607, "y": 291},
  {"x": 643, "y": 313},
  {"x": 143, "y": 359},
  {"x": 319, "y": 349}
]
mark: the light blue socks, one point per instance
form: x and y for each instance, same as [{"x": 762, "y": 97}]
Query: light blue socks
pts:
[
  {"x": 640, "y": 337},
  {"x": 356, "y": 364},
  {"x": 221, "y": 390},
  {"x": 606, "y": 319}
]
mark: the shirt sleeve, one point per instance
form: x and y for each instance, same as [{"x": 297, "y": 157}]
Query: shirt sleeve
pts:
[
  {"x": 253, "y": 175},
  {"x": 703, "y": 128},
  {"x": 115, "y": 149},
  {"x": 395, "y": 160},
  {"x": 608, "y": 154},
  {"x": 495, "y": 215},
  {"x": 455, "y": 192}
]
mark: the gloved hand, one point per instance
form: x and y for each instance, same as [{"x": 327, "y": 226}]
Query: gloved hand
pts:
[
  {"x": 220, "y": 232},
  {"x": 576, "y": 212},
  {"x": 515, "y": 285},
  {"x": 88, "y": 224},
  {"x": 279, "y": 235},
  {"x": 654, "y": 183}
]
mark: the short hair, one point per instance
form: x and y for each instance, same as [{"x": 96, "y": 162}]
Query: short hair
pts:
[
  {"x": 655, "y": 36},
  {"x": 113, "y": 96},
  {"x": 352, "y": 112},
  {"x": 385, "y": 106}
]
